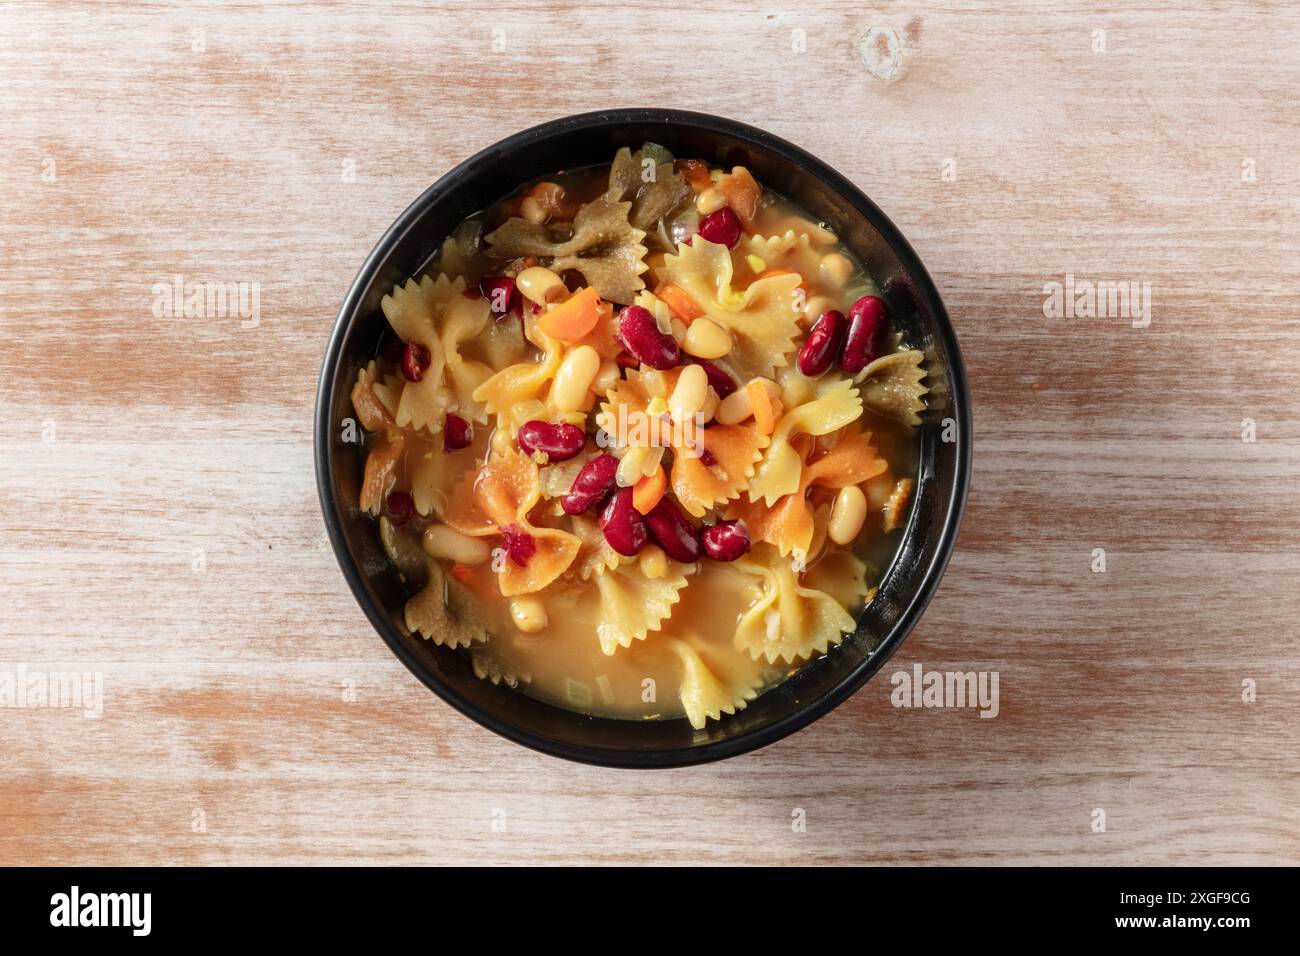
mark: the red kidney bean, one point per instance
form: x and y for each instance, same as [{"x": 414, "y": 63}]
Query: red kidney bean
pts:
[
  {"x": 722, "y": 227},
  {"x": 415, "y": 361},
  {"x": 726, "y": 540},
  {"x": 823, "y": 344},
  {"x": 708, "y": 459},
  {"x": 672, "y": 532},
  {"x": 720, "y": 381},
  {"x": 591, "y": 485},
  {"x": 557, "y": 442},
  {"x": 622, "y": 524},
  {"x": 866, "y": 334},
  {"x": 456, "y": 433},
  {"x": 400, "y": 508},
  {"x": 640, "y": 335},
  {"x": 502, "y": 295},
  {"x": 519, "y": 544}
]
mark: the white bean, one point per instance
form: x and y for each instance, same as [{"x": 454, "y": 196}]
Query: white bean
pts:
[
  {"x": 848, "y": 514},
  {"x": 818, "y": 306},
  {"x": 710, "y": 200},
  {"x": 836, "y": 268},
  {"x": 706, "y": 339},
  {"x": 735, "y": 408},
  {"x": 631, "y": 466},
  {"x": 574, "y": 377},
  {"x": 532, "y": 210},
  {"x": 688, "y": 395},
  {"x": 539, "y": 284},
  {"x": 448, "y": 544},
  {"x": 529, "y": 614}
]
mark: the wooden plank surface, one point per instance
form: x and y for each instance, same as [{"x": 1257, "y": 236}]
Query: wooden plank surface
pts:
[{"x": 159, "y": 524}]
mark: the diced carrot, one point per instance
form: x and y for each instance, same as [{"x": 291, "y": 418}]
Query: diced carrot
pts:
[
  {"x": 741, "y": 193},
  {"x": 604, "y": 335},
  {"x": 551, "y": 198},
  {"x": 462, "y": 572},
  {"x": 764, "y": 413},
  {"x": 677, "y": 299},
  {"x": 696, "y": 172},
  {"x": 573, "y": 318},
  {"x": 648, "y": 491}
]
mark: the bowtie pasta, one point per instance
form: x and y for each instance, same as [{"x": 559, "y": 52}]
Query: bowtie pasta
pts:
[{"x": 640, "y": 440}]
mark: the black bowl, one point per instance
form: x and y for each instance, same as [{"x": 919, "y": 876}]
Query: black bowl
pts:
[{"x": 931, "y": 529}]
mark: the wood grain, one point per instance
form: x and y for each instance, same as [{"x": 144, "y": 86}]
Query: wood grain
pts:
[{"x": 251, "y": 715}]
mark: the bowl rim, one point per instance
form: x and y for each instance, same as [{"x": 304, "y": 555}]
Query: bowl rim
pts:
[{"x": 924, "y": 289}]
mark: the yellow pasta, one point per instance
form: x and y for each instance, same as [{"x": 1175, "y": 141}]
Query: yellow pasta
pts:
[
  {"x": 789, "y": 622},
  {"x": 520, "y": 382},
  {"x": 763, "y": 318},
  {"x": 791, "y": 250},
  {"x": 632, "y": 605},
  {"x": 417, "y": 312},
  {"x": 595, "y": 555},
  {"x": 465, "y": 320},
  {"x": 837, "y": 404},
  {"x": 840, "y": 574},
  {"x": 704, "y": 696}
]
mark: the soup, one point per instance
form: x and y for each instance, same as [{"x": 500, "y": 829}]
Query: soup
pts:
[{"x": 641, "y": 439}]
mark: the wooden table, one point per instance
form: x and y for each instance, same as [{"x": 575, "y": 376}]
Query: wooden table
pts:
[{"x": 160, "y": 525}]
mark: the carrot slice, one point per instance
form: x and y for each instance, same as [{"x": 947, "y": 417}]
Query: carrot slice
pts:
[
  {"x": 677, "y": 299},
  {"x": 696, "y": 172},
  {"x": 741, "y": 193},
  {"x": 648, "y": 491},
  {"x": 573, "y": 318},
  {"x": 764, "y": 413}
]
